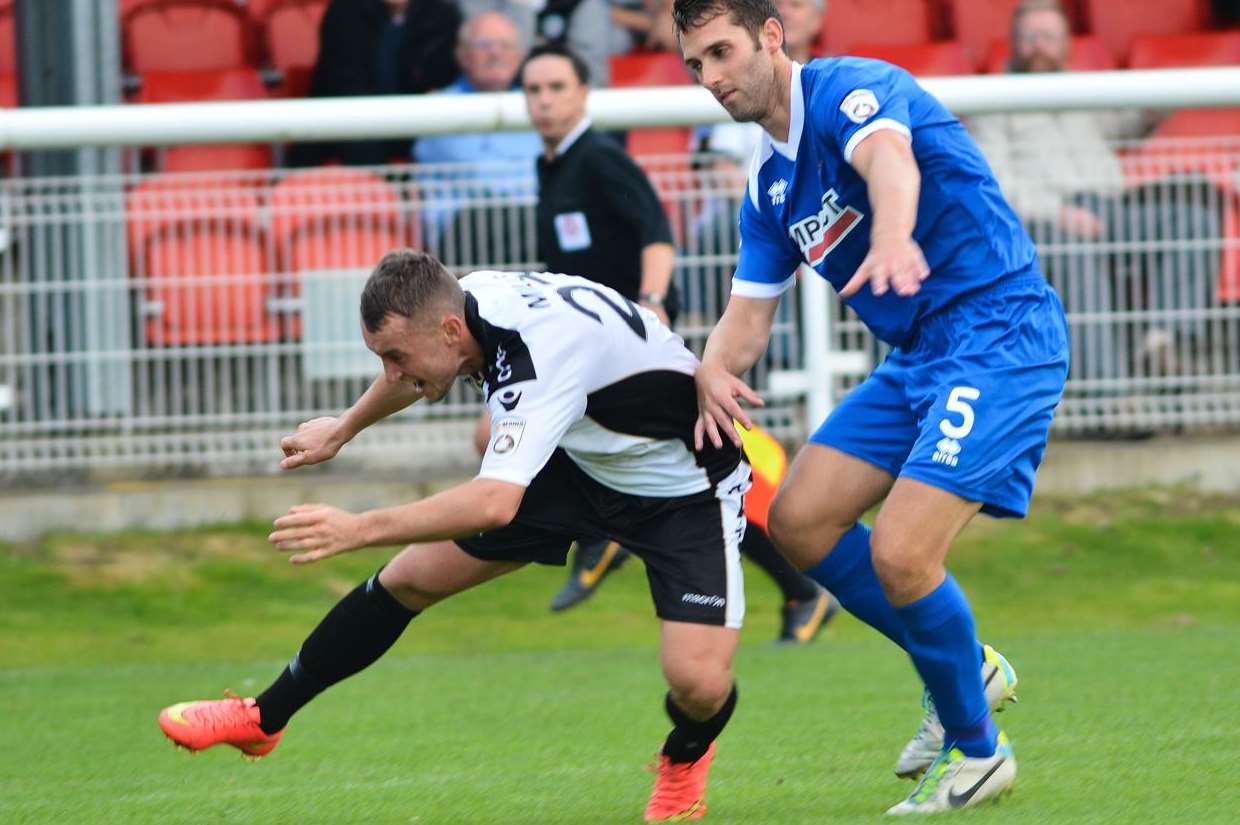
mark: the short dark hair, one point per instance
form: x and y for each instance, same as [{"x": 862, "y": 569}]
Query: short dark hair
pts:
[
  {"x": 748, "y": 14},
  {"x": 408, "y": 282},
  {"x": 580, "y": 68}
]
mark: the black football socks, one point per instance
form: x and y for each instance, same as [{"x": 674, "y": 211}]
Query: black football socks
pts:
[
  {"x": 690, "y": 739},
  {"x": 352, "y": 636}
]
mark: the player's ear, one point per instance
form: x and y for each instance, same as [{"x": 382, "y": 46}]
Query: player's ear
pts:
[
  {"x": 452, "y": 326},
  {"x": 771, "y": 36}
]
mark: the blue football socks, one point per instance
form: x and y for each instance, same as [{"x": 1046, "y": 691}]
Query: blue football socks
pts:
[
  {"x": 942, "y": 642},
  {"x": 848, "y": 572}
]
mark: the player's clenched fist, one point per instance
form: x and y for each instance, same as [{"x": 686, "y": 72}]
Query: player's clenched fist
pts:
[
  {"x": 894, "y": 264},
  {"x": 718, "y": 391},
  {"x": 314, "y": 442}
]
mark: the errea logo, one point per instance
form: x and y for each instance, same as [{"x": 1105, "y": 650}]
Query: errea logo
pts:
[
  {"x": 819, "y": 234},
  {"x": 946, "y": 451},
  {"x": 778, "y": 192}
]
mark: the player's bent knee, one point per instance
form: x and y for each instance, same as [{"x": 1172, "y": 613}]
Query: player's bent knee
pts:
[
  {"x": 903, "y": 572},
  {"x": 411, "y": 594},
  {"x": 801, "y": 535},
  {"x": 703, "y": 693}
]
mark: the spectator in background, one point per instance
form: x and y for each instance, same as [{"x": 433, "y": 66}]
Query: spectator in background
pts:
[
  {"x": 583, "y": 26},
  {"x": 379, "y": 47},
  {"x": 802, "y": 22},
  {"x": 598, "y": 214},
  {"x": 488, "y": 164},
  {"x": 1062, "y": 174}
]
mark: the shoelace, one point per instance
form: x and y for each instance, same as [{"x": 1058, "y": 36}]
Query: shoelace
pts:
[
  {"x": 929, "y": 784},
  {"x": 223, "y": 714},
  {"x": 929, "y": 720}
]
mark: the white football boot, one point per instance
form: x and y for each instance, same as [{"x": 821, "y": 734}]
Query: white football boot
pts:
[
  {"x": 954, "y": 781},
  {"x": 999, "y": 681}
]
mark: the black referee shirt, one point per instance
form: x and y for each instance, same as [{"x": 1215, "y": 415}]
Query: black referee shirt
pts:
[{"x": 596, "y": 212}]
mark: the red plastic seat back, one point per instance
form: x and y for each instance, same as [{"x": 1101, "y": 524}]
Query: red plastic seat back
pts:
[
  {"x": 334, "y": 217},
  {"x": 922, "y": 59},
  {"x": 187, "y": 35},
  {"x": 291, "y": 40},
  {"x": 849, "y": 23},
  {"x": 8, "y": 41},
  {"x": 649, "y": 69},
  {"x": 199, "y": 247},
  {"x": 1185, "y": 50},
  {"x": 209, "y": 285},
  {"x": 183, "y": 87},
  {"x": 1119, "y": 22},
  {"x": 226, "y": 84}
]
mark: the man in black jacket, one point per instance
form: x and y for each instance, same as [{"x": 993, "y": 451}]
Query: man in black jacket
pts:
[{"x": 379, "y": 47}]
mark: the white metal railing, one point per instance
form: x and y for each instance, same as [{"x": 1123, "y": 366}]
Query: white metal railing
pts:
[{"x": 398, "y": 117}]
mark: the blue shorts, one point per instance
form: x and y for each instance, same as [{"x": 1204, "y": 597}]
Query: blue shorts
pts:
[{"x": 967, "y": 406}]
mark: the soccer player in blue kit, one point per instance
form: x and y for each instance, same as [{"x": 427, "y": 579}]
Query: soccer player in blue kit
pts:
[{"x": 869, "y": 180}]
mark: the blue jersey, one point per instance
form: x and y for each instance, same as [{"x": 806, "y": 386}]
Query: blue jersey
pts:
[{"x": 806, "y": 204}]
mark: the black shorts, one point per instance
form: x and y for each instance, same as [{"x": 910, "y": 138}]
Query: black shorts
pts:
[{"x": 690, "y": 544}]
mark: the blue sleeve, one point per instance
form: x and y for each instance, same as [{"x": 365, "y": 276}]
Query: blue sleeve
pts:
[
  {"x": 863, "y": 97},
  {"x": 766, "y": 261}
]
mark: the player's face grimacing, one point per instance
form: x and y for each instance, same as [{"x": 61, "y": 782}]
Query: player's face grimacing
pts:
[
  {"x": 424, "y": 355},
  {"x": 739, "y": 73}
]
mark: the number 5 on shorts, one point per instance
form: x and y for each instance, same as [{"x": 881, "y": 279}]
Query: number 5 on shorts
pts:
[{"x": 958, "y": 402}]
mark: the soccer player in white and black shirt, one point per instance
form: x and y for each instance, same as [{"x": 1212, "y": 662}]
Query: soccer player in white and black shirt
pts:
[{"x": 593, "y": 406}]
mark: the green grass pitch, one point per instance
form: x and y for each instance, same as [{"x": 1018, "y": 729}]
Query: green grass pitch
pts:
[{"x": 1121, "y": 615}]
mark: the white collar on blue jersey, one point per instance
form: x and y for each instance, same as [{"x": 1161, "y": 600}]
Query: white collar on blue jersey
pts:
[
  {"x": 796, "y": 118},
  {"x": 571, "y": 138}
]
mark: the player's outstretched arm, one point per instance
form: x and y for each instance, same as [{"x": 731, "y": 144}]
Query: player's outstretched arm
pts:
[
  {"x": 735, "y": 345},
  {"x": 886, "y": 162},
  {"x": 319, "y": 439},
  {"x": 317, "y": 531}
]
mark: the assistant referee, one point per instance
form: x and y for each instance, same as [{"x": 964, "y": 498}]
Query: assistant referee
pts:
[{"x": 598, "y": 215}]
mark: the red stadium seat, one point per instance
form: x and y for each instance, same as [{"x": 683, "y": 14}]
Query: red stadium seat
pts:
[
  {"x": 183, "y": 87},
  {"x": 1089, "y": 54},
  {"x": 8, "y": 91},
  {"x": 334, "y": 218},
  {"x": 979, "y": 23},
  {"x": 1118, "y": 22},
  {"x": 653, "y": 69},
  {"x": 922, "y": 59},
  {"x": 162, "y": 201},
  {"x": 8, "y": 41},
  {"x": 848, "y": 23},
  {"x": 649, "y": 69},
  {"x": 204, "y": 261},
  {"x": 186, "y": 36},
  {"x": 291, "y": 40},
  {"x": 1185, "y": 50},
  {"x": 229, "y": 84}
]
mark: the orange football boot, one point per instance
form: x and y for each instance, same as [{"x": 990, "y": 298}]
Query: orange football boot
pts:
[
  {"x": 680, "y": 789},
  {"x": 232, "y": 721}
]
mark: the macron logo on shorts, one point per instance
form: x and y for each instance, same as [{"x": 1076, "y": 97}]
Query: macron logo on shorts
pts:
[
  {"x": 707, "y": 601},
  {"x": 819, "y": 234}
]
